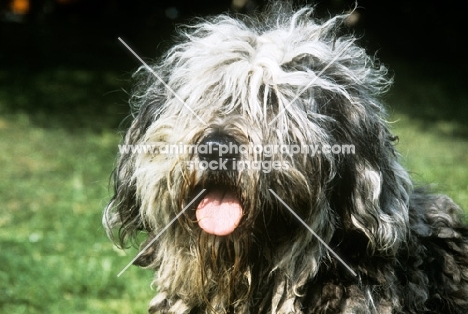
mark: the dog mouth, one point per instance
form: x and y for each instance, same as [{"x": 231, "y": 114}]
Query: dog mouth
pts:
[{"x": 219, "y": 212}]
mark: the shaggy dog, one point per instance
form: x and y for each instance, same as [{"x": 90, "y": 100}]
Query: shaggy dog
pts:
[{"x": 267, "y": 211}]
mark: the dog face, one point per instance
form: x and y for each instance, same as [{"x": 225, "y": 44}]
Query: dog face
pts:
[{"x": 269, "y": 88}]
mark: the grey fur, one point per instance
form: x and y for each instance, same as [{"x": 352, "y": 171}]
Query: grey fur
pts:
[{"x": 409, "y": 248}]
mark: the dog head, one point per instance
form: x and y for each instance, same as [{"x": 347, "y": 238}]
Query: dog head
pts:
[{"x": 236, "y": 100}]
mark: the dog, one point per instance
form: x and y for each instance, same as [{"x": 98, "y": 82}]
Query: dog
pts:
[{"x": 260, "y": 208}]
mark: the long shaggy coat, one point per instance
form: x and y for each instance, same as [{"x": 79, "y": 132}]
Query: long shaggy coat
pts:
[{"x": 282, "y": 78}]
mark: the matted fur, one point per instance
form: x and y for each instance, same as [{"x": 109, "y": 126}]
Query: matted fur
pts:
[{"x": 409, "y": 248}]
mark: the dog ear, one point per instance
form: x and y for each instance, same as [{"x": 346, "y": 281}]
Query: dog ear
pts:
[
  {"x": 371, "y": 190},
  {"x": 379, "y": 205},
  {"x": 122, "y": 214},
  {"x": 122, "y": 217}
]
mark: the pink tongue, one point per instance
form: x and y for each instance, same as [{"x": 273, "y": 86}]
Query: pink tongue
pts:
[{"x": 219, "y": 212}]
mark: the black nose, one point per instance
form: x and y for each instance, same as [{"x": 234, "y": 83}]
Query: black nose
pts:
[{"x": 218, "y": 146}]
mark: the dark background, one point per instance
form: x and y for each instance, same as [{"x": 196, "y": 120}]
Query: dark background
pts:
[{"x": 419, "y": 40}]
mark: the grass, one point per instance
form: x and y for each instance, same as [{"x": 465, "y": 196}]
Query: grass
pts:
[
  {"x": 54, "y": 185},
  {"x": 434, "y": 159},
  {"x": 55, "y": 252}
]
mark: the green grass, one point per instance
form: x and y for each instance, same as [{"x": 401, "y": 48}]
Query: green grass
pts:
[
  {"x": 55, "y": 256},
  {"x": 433, "y": 158}
]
